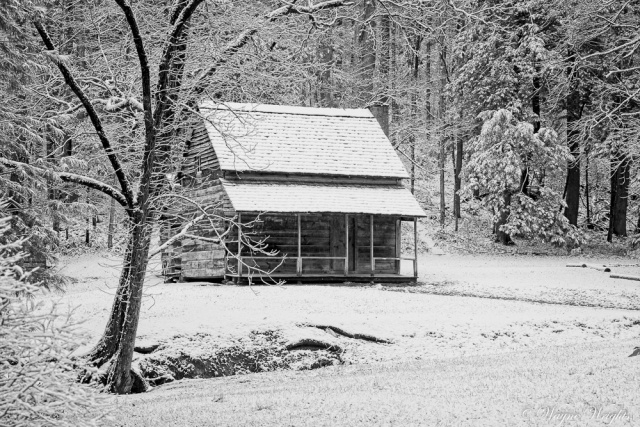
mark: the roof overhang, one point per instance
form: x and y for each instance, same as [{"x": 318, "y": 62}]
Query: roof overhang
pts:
[{"x": 321, "y": 198}]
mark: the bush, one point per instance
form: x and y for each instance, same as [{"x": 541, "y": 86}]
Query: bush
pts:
[{"x": 38, "y": 377}]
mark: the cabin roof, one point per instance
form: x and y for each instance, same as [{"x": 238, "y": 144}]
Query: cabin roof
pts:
[
  {"x": 300, "y": 140},
  {"x": 267, "y": 196}
]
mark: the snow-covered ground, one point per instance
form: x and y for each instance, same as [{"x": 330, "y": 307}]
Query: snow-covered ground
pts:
[{"x": 421, "y": 323}]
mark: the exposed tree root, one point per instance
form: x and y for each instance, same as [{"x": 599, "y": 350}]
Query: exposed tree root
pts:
[
  {"x": 146, "y": 347},
  {"x": 340, "y": 331},
  {"x": 312, "y": 344}
]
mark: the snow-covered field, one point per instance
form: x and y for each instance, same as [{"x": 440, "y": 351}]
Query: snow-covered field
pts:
[{"x": 465, "y": 307}]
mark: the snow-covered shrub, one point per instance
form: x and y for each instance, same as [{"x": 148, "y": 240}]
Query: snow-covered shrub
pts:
[
  {"x": 38, "y": 378},
  {"x": 506, "y": 147}
]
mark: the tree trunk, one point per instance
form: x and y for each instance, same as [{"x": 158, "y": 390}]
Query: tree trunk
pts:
[
  {"x": 587, "y": 189},
  {"x": 428, "y": 113},
  {"x": 325, "y": 58},
  {"x": 112, "y": 223},
  {"x": 366, "y": 45},
  {"x": 415, "y": 64},
  {"x": 457, "y": 180},
  {"x": 612, "y": 200},
  {"x": 119, "y": 375},
  {"x": 573, "y": 166},
  {"x": 442, "y": 120},
  {"x": 501, "y": 236},
  {"x": 116, "y": 344},
  {"x": 621, "y": 199},
  {"x": 395, "y": 107}
]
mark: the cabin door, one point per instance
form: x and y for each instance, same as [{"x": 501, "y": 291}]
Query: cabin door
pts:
[
  {"x": 359, "y": 244},
  {"x": 352, "y": 244}
]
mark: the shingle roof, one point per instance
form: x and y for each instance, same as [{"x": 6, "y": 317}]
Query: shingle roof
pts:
[
  {"x": 300, "y": 140},
  {"x": 251, "y": 196}
]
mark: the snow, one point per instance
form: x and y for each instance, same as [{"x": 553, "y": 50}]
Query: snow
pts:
[
  {"x": 289, "y": 109},
  {"x": 421, "y": 325}
]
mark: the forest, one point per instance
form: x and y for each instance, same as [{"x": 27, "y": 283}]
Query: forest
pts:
[{"x": 516, "y": 119}]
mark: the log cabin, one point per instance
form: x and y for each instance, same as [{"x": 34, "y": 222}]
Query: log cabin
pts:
[{"x": 319, "y": 187}]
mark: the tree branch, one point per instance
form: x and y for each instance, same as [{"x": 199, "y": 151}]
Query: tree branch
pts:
[
  {"x": 178, "y": 236},
  {"x": 125, "y": 185},
  {"x": 230, "y": 49},
  {"x": 179, "y": 19},
  {"x": 142, "y": 59},
  {"x": 73, "y": 178},
  {"x": 150, "y": 135},
  {"x": 243, "y": 38},
  {"x": 294, "y": 9}
]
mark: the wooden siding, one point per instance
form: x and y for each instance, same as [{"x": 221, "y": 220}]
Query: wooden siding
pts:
[
  {"x": 191, "y": 258},
  {"x": 200, "y": 154}
]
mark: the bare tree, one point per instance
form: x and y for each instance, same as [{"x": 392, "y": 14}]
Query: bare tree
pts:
[{"x": 166, "y": 103}]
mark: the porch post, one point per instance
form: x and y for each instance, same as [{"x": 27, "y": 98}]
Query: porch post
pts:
[
  {"x": 346, "y": 244},
  {"x": 239, "y": 246},
  {"x": 398, "y": 253},
  {"x": 415, "y": 247},
  {"x": 371, "y": 247},
  {"x": 299, "y": 263}
]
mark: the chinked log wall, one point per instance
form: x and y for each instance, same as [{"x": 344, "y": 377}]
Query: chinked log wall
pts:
[{"x": 192, "y": 258}]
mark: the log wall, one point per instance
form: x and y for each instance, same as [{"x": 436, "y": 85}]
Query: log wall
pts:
[
  {"x": 191, "y": 258},
  {"x": 200, "y": 154}
]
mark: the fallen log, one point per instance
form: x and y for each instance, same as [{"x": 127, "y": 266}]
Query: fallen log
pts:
[
  {"x": 340, "y": 331},
  {"x": 599, "y": 267},
  {"x": 625, "y": 276},
  {"x": 595, "y": 267}
]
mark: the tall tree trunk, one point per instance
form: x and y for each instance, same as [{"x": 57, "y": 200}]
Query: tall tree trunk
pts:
[
  {"x": 442, "y": 136},
  {"x": 613, "y": 180},
  {"x": 119, "y": 375},
  {"x": 366, "y": 46},
  {"x": 415, "y": 64},
  {"x": 393, "y": 87},
  {"x": 325, "y": 59},
  {"x": 112, "y": 224},
  {"x": 621, "y": 200},
  {"x": 457, "y": 179},
  {"x": 574, "y": 111},
  {"x": 620, "y": 177},
  {"x": 428, "y": 78},
  {"x": 587, "y": 188}
]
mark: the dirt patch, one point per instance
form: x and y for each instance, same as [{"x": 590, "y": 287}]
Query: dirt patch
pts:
[{"x": 206, "y": 356}]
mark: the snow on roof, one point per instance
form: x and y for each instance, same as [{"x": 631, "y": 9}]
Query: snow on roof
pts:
[
  {"x": 321, "y": 198},
  {"x": 300, "y": 140},
  {"x": 290, "y": 109}
]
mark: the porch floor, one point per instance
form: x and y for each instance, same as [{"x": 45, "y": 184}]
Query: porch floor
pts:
[{"x": 353, "y": 277}]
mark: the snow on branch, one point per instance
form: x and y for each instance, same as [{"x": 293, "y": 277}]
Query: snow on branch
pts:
[
  {"x": 243, "y": 38},
  {"x": 70, "y": 177},
  {"x": 93, "y": 115},
  {"x": 176, "y": 237},
  {"x": 293, "y": 9}
]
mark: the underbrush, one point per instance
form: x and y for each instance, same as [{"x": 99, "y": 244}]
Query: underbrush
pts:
[{"x": 475, "y": 236}]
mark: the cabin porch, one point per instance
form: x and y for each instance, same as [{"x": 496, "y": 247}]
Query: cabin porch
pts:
[{"x": 332, "y": 247}]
